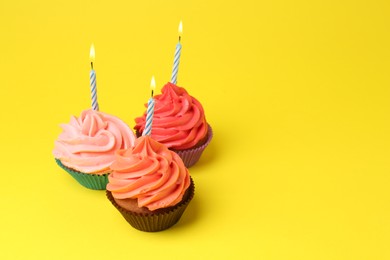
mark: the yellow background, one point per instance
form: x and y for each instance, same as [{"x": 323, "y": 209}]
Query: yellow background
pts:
[{"x": 297, "y": 93}]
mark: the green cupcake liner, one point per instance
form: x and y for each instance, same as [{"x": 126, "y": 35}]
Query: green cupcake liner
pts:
[{"x": 90, "y": 181}]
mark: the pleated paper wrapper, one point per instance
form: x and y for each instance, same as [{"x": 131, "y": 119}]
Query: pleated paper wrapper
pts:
[
  {"x": 88, "y": 180},
  {"x": 153, "y": 222}
]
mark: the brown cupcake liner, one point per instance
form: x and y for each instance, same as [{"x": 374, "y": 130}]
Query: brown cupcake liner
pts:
[
  {"x": 153, "y": 222},
  {"x": 192, "y": 155},
  {"x": 90, "y": 181}
]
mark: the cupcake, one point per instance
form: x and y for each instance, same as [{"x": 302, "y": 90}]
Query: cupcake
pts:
[
  {"x": 149, "y": 185},
  {"x": 179, "y": 123},
  {"x": 87, "y": 145}
]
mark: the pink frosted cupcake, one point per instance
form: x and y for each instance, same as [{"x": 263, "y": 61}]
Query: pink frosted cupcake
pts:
[
  {"x": 179, "y": 123},
  {"x": 149, "y": 185},
  {"x": 87, "y": 145}
]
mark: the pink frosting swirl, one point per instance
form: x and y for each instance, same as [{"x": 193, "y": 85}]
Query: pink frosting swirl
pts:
[
  {"x": 88, "y": 143},
  {"x": 150, "y": 173},
  {"x": 179, "y": 121}
]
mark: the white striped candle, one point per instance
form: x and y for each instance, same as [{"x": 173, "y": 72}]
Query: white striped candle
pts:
[
  {"x": 176, "y": 59},
  {"x": 150, "y": 111},
  {"x": 92, "y": 80}
]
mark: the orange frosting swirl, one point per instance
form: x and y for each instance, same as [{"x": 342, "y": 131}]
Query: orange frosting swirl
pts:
[
  {"x": 150, "y": 173},
  {"x": 88, "y": 143},
  {"x": 179, "y": 121}
]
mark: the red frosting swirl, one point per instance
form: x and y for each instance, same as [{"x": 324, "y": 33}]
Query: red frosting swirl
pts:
[
  {"x": 150, "y": 173},
  {"x": 179, "y": 121},
  {"x": 88, "y": 143}
]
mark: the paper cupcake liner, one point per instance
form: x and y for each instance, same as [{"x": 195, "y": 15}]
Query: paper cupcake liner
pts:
[
  {"x": 192, "y": 155},
  {"x": 153, "y": 222},
  {"x": 90, "y": 181}
]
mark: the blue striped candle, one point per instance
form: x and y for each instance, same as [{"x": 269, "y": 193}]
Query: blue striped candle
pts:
[
  {"x": 149, "y": 117},
  {"x": 176, "y": 59},
  {"x": 150, "y": 111},
  {"x": 92, "y": 80}
]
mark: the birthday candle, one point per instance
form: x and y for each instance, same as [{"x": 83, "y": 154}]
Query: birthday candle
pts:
[
  {"x": 92, "y": 80},
  {"x": 150, "y": 111},
  {"x": 176, "y": 60}
]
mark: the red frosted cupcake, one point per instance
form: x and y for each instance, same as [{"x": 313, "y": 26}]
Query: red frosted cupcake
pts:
[
  {"x": 179, "y": 123},
  {"x": 149, "y": 185}
]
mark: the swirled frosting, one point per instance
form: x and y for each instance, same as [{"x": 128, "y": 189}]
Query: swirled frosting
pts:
[
  {"x": 88, "y": 143},
  {"x": 179, "y": 121},
  {"x": 150, "y": 173}
]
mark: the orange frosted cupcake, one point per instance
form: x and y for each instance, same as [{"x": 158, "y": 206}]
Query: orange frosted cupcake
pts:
[
  {"x": 149, "y": 185},
  {"x": 87, "y": 145},
  {"x": 179, "y": 123}
]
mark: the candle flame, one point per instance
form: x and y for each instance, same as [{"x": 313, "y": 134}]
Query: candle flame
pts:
[
  {"x": 153, "y": 84},
  {"x": 92, "y": 53},
  {"x": 180, "y": 28}
]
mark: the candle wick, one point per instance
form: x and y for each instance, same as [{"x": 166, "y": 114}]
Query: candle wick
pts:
[
  {"x": 91, "y": 65},
  {"x": 152, "y": 92},
  {"x": 179, "y": 38}
]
